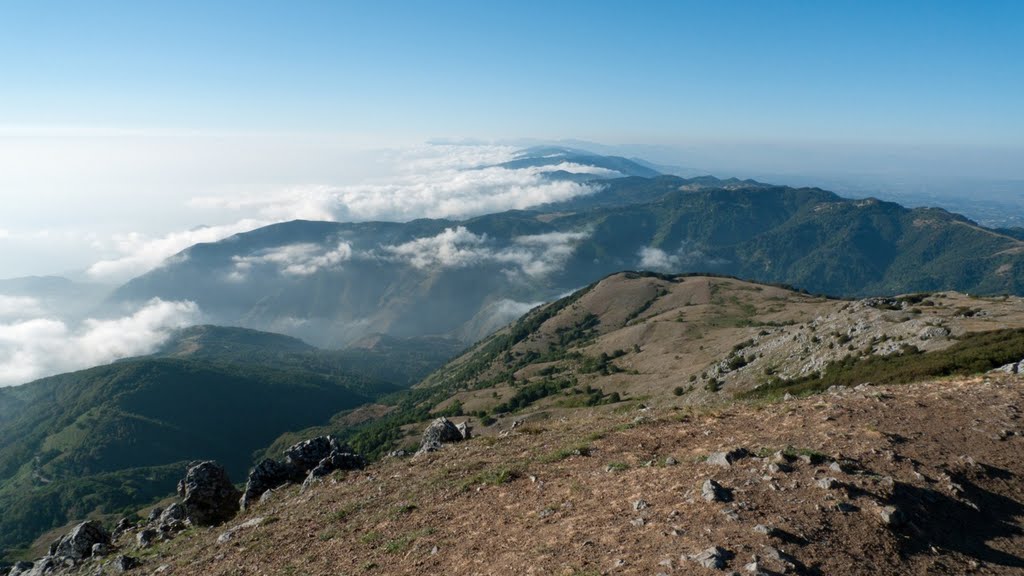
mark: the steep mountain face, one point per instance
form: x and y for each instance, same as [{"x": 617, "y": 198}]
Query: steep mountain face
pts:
[
  {"x": 333, "y": 283},
  {"x": 112, "y": 438}
]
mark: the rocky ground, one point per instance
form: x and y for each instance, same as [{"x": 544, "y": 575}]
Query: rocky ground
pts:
[{"x": 917, "y": 479}]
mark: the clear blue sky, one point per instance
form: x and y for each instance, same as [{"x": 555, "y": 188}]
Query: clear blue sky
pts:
[{"x": 936, "y": 72}]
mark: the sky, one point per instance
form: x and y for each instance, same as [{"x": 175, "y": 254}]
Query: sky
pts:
[{"x": 121, "y": 123}]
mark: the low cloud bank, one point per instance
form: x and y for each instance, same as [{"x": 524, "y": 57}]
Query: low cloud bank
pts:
[{"x": 38, "y": 347}]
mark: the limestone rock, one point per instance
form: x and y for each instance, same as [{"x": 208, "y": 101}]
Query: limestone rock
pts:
[
  {"x": 208, "y": 495},
  {"x": 77, "y": 544},
  {"x": 307, "y": 455},
  {"x": 267, "y": 475},
  {"x": 440, "y": 431}
]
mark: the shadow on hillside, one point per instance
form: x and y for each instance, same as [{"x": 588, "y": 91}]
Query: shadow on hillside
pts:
[{"x": 936, "y": 519}]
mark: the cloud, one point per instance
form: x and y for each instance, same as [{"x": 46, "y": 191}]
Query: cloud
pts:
[
  {"x": 38, "y": 347},
  {"x": 533, "y": 255},
  {"x": 689, "y": 256},
  {"x": 294, "y": 259},
  {"x": 432, "y": 181},
  {"x": 658, "y": 260},
  {"x": 437, "y": 181},
  {"x": 140, "y": 253},
  {"x": 18, "y": 307}
]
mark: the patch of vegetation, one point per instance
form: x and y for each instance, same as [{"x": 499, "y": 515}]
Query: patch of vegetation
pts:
[
  {"x": 617, "y": 467},
  {"x": 974, "y": 353}
]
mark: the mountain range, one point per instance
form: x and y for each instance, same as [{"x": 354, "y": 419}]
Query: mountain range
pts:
[{"x": 334, "y": 283}]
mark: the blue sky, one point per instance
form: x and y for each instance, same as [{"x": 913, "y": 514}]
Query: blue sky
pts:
[
  {"x": 124, "y": 125},
  {"x": 930, "y": 73}
]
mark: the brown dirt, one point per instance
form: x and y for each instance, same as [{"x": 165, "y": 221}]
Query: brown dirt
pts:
[{"x": 949, "y": 454}]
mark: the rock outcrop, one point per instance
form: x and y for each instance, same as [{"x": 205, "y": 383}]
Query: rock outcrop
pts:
[
  {"x": 208, "y": 495},
  {"x": 441, "y": 431},
  {"x": 77, "y": 544},
  {"x": 304, "y": 462}
]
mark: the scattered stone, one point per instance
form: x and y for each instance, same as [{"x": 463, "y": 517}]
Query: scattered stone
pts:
[
  {"x": 174, "y": 512},
  {"x": 208, "y": 495},
  {"x": 123, "y": 525},
  {"x": 713, "y": 557},
  {"x": 726, "y": 459},
  {"x": 640, "y": 505},
  {"x": 787, "y": 397},
  {"x": 670, "y": 461},
  {"x": 440, "y": 431},
  {"x": 465, "y": 430},
  {"x": 774, "y": 468},
  {"x": 146, "y": 537},
  {"x": 155, "y": 513},
  {"x": 20, "y": 568},
  {"x": 638, "y": 522},
  {"x": 837, "y": 468},
  {"x": 891, "y": 516},
  {"x": 126, "y": 563},
  {"x": 77, "y": 544},
  {"x": 307, "y": 454},
  {"x": 267, "y": 475},
  {"x": 714, "y": 492},
  {"x": 769, "y": 531},
  {"x": 827, "y": 483},
  {"x": 100, "y": 550}
]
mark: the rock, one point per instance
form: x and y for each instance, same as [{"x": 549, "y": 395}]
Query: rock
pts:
[
  {"x": 306, "y": 455},
  {"x": 155, "y": 513},
  {"x": 932, "y": 332},
  {"x": 713, "y": 492},
  {"x": 1011, "y": 368},
  {"x": 891, "y": 516},
  {"x": 465, "y": 430},
  {"x": 146, "y": 537},
  {"x": 173, "y": 513},
  {"x": 440, "y": 431},
  {"x": 100, "y": 550},
  {"x": 638, "y": 522},
  {"x": 78, "y": 543},
  {"x": 827, "y": 483},
  {"x": 713, "y": 558},
  {"x": 769, "y": 531},
  {"x": 20, "y": 568},
  {"x": 208, "y": 495},
  {"x": 267, "y": 475},
  {"x": 836, "y": 467},
  {"x": 670, "y": 461},
  {"x": 123, "y": 525},
  {"x": 227, "y": 536},
  {"x": 640, "y": 505},
  {"x": 774, "y": 468},
  {"x": 336, "y": 461},
  {"x": 126, "y": 563},
  {"x": 726, "y": 459}
]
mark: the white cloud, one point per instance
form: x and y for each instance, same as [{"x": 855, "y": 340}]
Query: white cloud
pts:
[
  {"x": 31, "y": 349},
  {"x": 18, "y": 307},
  {"x": 294, "y": 259},
  {"x": 140, "y": 253},
  {"x": 534, "y": 255},
  {"x": 437, "y": 181},
  {"x": 658, "y": 260}
]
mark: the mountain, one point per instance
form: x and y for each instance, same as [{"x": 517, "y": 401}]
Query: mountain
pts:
[
  {"x": 334, "y": 283},
  {"x": 657, "y": 423},
  {"x": 49, "y": 296},
  {"x": 610, "y": 166},
  {"x": 112, "y": 438}
]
